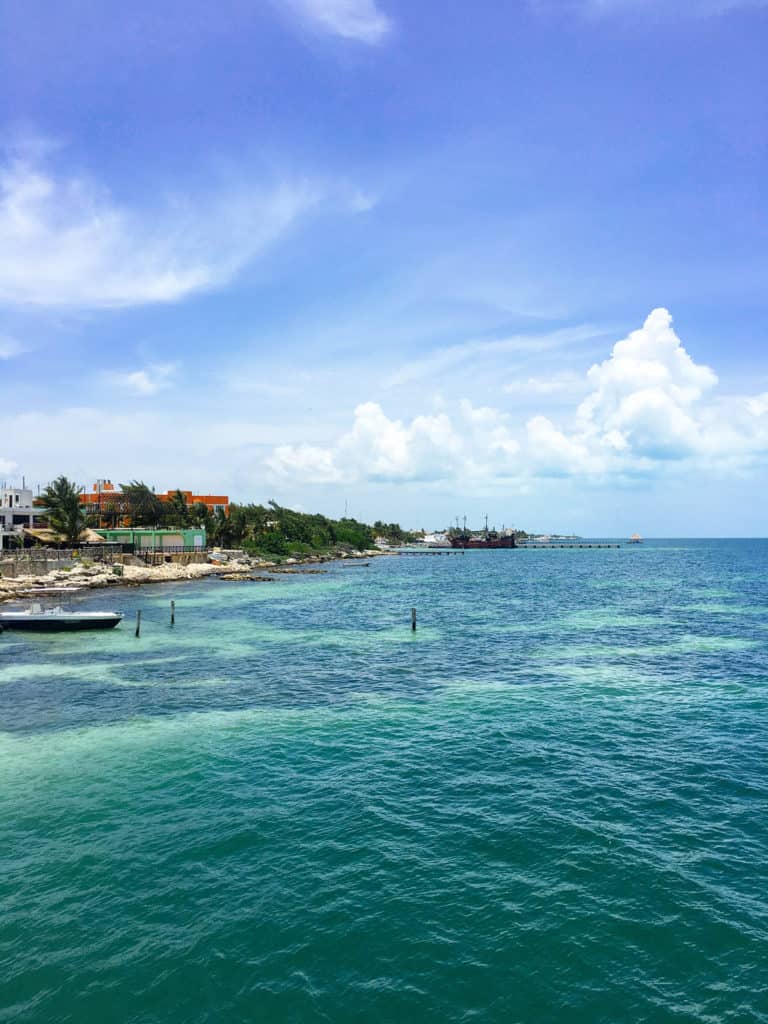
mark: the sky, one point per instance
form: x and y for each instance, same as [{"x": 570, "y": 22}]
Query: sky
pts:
[{"x": 408, "y": 260}]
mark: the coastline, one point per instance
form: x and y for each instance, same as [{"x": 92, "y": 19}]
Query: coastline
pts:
[{"x": 100, "y": 575}]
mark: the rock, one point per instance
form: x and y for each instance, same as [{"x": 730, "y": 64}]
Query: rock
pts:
[{"x": 244, "y": 577}]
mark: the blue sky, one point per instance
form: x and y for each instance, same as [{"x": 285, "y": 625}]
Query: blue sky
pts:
[{"x": 422, "y": 260}]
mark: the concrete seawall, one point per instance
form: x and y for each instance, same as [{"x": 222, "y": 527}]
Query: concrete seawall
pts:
[{"x": 10, "y": 568}]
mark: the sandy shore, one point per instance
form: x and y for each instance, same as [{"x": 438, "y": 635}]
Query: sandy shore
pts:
[{"x": 101, "y": 575}]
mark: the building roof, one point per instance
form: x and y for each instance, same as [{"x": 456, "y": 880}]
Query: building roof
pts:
[{"x": 46, "y": 536}]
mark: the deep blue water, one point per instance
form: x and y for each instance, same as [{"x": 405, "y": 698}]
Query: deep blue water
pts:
[{"x": 549, "y": 804}]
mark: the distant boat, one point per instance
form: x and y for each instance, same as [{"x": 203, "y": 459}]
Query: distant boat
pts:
[
  {"x": 56, "y": 620},
  {"x": 635, "y": 539},
  {"x": 436, "y": 540}
]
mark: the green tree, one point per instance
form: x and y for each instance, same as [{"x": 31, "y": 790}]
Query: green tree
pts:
[
  {"x": 200, "y": 515},
  {"x": 273, "y": 529},
  {"x": 112, "y": 513},
  {"x": 219, "y": 530},
  {"x": 176, "y": 511},
  {"x": 393, "y": 532},
  {"x": 65, "y": 513},
  {"x": 236, "y": 526},
  {"x": 144, "y": 506}
]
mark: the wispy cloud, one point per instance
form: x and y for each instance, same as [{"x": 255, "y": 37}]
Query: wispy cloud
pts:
[
  {"x": 360, "y": 20},
  {"x": 66, "y": 242},
  {"x": 562, "y": 382},
  {"x": 9, "y": 347},
  {"x": 452, "y": 356},
  {"x": 362, "y": 202},
  {"x": 147, "y": 381}
]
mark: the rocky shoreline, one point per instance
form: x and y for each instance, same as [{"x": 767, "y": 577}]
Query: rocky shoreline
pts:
[{"x": 240, "y": 567}]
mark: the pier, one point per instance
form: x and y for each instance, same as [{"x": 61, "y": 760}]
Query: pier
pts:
[
  {"x": 421, "y": 554},
  {"x": 569, "y": 544},
  {"x": 529, "y": 545}
]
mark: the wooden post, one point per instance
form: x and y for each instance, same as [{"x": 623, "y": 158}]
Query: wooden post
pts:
[
  {"x": 173, "y": 612},
  {"x": 138, "y": 622},
  {"x": 413, "y": 619}
]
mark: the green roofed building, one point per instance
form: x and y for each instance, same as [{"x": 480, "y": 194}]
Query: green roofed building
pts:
[{"x": 157, "y": 540}]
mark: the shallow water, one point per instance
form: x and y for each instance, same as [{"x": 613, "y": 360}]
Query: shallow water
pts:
[{"x": 549, "y": 804}]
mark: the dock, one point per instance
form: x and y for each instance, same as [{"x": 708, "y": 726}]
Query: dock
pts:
[
  {"x": 547, "y": 546},
  {"x": 521, "y": 545},
  {"x": 421, "y": 554}
]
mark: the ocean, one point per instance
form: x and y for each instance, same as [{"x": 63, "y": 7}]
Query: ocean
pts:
[{"x": 550, "y": 803}]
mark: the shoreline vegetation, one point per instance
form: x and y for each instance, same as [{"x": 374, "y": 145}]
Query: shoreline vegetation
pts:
[
  {"x": 226, "y": 565},
  {"x": 244, "y": 542},
  {"x": 251, "y": 539},
  {"x": 265, "y": 530}
]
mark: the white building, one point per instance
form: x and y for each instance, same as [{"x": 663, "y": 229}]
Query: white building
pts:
[{"x": 16, "y": 512}]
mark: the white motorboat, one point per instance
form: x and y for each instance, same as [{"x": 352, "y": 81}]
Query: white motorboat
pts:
[{"x": 56, "y": 620}]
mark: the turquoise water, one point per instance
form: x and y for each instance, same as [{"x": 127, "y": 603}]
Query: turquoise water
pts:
[{"x": 549, "y": 804}]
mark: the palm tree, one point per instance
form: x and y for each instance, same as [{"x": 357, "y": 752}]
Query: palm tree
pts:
[
  {"x": 213, "y": 529},
  {"x": 177, "y": 510},
  {"x": 199, "y": 515},
  {"x": 65, "y": 513},
  {"x": 145, "y": 507}
]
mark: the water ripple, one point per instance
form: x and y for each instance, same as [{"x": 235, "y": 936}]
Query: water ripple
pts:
[{"x": 547, "y": 804}]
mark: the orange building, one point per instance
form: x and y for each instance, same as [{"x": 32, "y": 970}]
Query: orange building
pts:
[
  {"x": 105, "y": 501},
  {"x": 213, "y": 502}
]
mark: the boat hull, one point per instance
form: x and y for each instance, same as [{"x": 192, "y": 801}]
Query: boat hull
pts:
[{"x": 56, "y": 623}]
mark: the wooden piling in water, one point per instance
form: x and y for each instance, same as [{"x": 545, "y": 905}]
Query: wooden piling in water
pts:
[
  {"x": 173, "y": 612},
  {"x": 413, "y": 620},
  {"x": 138, "y": 623}
]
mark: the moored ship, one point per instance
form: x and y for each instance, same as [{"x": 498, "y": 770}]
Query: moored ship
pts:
[
  {"x": 484, "y": 539},
  {"x": 493, "y": 540}
]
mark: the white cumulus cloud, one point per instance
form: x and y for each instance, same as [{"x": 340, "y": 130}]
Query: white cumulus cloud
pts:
[
  {"x": 758, "y": 406},
  {"x": 360, "y": 20},
  {"x": 646, "y": 394},
  {"x": 649, "y": 406},
  {"x": 551, "y": 452},
  {"x": 428, "y": 447},
  {"x": 65, "y": 241}
]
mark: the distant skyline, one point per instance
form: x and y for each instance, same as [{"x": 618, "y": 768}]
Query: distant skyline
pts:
[{"x": 416, "y": 260}]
